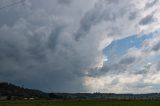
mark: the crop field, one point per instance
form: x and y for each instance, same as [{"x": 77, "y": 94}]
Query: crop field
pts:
[{"x": 80, "y": 103}]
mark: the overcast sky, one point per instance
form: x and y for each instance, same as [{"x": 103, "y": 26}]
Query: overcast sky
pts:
[{"x": 81, "y": 45}]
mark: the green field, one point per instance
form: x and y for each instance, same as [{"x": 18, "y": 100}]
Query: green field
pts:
[{"x": 79, "y": 103}]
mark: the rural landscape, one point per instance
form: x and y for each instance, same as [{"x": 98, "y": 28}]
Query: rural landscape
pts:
[
  {"x": 12, "y": 95},
  {"x": 79, "y": 52}
]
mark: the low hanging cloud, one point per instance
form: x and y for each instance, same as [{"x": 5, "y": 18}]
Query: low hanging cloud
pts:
[{"x": 56, "y": 45}]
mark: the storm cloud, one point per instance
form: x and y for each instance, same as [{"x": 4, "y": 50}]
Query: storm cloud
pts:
[{"x": 57, "y": 45}]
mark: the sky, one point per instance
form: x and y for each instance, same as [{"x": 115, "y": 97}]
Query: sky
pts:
[{"x": 110, "y": 46}]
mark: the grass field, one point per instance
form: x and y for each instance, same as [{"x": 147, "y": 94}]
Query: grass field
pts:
[{"x": 79, "y": 103}]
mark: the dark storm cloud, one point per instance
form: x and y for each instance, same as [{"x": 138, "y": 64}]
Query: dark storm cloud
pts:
[
  {"x": 39, "y": 48},
  {"x": 36, "y": 51},
  {"x": 32, "y": 62},
  {"x": 32, "y": 55},
  {"x": 54, "y": 37},
  {"x": 10, "y": 17},
  {"x": 6, "y": 19}
]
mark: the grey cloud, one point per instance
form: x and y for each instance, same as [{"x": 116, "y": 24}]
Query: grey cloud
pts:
[
  {"x": 6, "y": 19},
  {"x": 11, "y": 17},
  {"x": 140, "y": 72},
  {"x": 132, "y": 16},
  {"x": 139, "y": 85},
  {"x": 143, "y": 71},
  {"x": 102, "y": 11},
  {"x": 54, "y": 37},
  {"x": 151, "y": 4},
  {"x": 32, "y": 63},
  {"x": 64, "y": 1},
  {"x": 114, "y": 68},
  {"x": 156, "y": 47},
  {"x": 117, "y": 66},
  {"x": 151, "y": 45},
  {"x": 127, "y": 60},
  {"x": 158, "y": 66},
  {"x": 39, "y": 50},
  {"x": 90, "y": 19},
  {"x": 28, "y": 55},
  {"x": 147, "y": 20},
  {"x": 38, "y": 45},
  {"x": 113, "y": 1}
]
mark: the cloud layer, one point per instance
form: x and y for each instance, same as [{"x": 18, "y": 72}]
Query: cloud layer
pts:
[{"x": 57, "y": 45}]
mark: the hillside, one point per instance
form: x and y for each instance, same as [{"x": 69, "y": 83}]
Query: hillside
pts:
[{"x": 12, "y": 91}]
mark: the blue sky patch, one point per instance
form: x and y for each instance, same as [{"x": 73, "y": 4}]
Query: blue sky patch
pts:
[{"x": 120, "y": 47}]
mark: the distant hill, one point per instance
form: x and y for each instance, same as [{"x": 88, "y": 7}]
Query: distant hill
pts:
[
  {"x": 11, "y": 92},
  {"x": 16, "y": 92},
  {"x": 106, "y": 96}
]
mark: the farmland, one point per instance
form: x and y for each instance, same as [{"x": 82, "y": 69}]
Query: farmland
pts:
[
  {"x": 12, "y": 95},
  {"x": 80, "y": 103}
]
